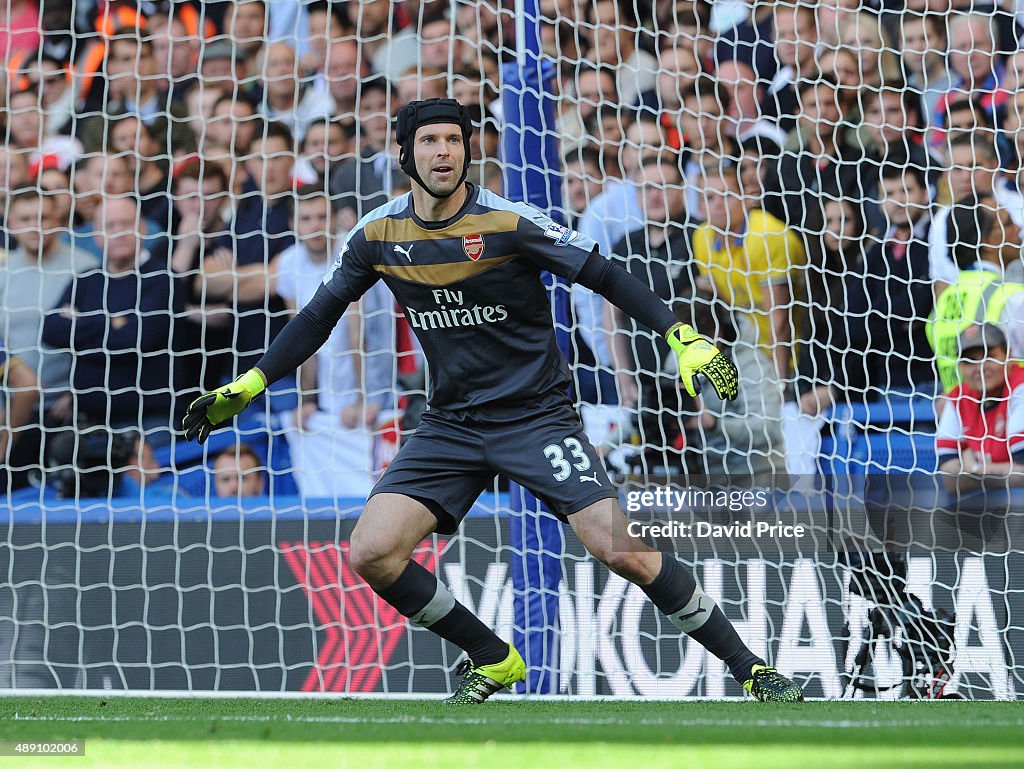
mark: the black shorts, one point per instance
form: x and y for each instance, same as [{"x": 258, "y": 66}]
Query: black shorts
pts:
[{"x": 452, "y": 457}]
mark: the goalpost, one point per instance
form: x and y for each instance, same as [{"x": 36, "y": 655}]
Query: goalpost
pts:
[{"x": 183, "y": 586}]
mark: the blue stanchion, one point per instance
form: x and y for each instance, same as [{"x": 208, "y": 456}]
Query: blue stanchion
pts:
[{"x": 532, "y": 175}]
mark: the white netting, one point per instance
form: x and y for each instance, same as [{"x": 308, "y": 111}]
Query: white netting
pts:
[{"x": 830, "y": 190}]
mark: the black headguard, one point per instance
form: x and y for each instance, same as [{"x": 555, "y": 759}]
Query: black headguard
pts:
[{"x": 421, "y": 113}]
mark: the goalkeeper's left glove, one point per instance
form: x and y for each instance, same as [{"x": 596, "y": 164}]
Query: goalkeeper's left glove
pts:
[
  {"x": 209, "y": 410},
  {"x": 698, "y": 356}
]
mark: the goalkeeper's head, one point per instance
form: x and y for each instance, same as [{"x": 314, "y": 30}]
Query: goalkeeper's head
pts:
[{"x": 433, "y": 136}]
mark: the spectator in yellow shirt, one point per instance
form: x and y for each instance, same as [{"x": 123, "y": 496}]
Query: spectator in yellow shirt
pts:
[{"x": 754, "y": 262}]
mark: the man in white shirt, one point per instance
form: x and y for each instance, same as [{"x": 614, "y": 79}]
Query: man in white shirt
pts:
[
  {"x": 608, "y": 218},
  {"x": 615, "y": 44},
  {"x": 31, "y": 283},
  {"x": 973, "y": 173},
  {"x": 287, "y": 97},
  {"x": 347, "y": 385}
]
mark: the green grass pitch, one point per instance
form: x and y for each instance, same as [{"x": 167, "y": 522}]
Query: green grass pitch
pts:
[{"x": 381, "y": 734}]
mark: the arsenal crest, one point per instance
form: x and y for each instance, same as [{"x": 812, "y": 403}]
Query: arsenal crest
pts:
[{"x": 473, "y": 245}]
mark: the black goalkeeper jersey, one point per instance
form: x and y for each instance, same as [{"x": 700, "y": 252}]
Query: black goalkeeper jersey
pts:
[{"x": 472, "y": 292}]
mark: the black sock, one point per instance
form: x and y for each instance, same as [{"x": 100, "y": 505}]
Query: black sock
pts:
[
  {"x": 676, "y": 593},
  {"x": 719, "y": 637},
  {"x": 420, "y": 596}
]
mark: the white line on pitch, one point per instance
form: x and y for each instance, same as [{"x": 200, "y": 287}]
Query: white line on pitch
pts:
[{"x": 781, "y": 722}]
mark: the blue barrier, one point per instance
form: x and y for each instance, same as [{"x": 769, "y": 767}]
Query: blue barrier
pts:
[
  {"x": 29, "y": 506},
  {"x": 897, "y": 452},
  {"x": 25, "y": 507},
  {"x": 894, "y": 435},
  {"x": 898, "y": 409}
]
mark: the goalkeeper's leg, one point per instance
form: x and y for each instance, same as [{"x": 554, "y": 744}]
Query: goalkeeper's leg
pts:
[
  {"x": 388, "y": 531},
  {"x": 602, "y": 528}
]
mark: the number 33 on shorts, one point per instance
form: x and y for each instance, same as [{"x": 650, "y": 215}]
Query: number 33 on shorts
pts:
[{"x": 563, "y": 467}]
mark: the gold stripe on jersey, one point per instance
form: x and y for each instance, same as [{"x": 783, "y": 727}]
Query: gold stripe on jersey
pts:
[
  {"x": 406, "y": 230},
  {"x": 441, "y": 274}
]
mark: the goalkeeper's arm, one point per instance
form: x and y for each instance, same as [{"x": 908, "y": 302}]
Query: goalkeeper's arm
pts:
[
  {"x": 301, "y": 337},
  {"x": 696, "y": 354}
]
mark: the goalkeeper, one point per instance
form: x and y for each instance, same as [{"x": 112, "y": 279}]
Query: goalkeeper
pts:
[{"x": 466, "y": 264}]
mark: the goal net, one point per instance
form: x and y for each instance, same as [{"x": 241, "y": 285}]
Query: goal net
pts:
[{"x": 828, "y": 190}]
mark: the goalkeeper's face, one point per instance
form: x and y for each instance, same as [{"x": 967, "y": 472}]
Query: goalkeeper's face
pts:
[{"x": 440, "y": 154}]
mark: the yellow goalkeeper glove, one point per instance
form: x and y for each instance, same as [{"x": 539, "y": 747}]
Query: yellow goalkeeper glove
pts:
[
  {"x": 209, "y": 410},
  {"x": 698, "y": 356}
]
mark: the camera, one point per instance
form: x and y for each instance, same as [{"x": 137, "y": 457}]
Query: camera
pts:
[
  {"x": 878, "y": 576},
  {"x": 80, "y": 462},
  {"x": 923, "y": 639}
]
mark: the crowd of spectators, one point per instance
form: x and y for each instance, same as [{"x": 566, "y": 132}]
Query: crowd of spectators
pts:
[{"x": 176, "y": 176}]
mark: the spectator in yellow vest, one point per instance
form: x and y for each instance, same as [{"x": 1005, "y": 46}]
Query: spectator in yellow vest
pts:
[{"x": 986, "y": 247}]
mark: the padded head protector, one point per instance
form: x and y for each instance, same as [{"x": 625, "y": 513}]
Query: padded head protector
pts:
[{"x": 416, "y": 114}]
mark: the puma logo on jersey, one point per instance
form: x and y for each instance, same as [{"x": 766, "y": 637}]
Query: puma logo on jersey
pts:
[
  {"x": 590, "y": 478},
  {"x": 405, "y": 251}
]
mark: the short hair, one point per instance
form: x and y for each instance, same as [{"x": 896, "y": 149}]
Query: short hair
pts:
[
  {"x": 980, "y": 117},
  {"x": 129, "y": 35},
  {"x": 817, "y": 79},
  {"x": 469, "y": 73},
  {"x": 45, "y": 168},
  {"x": 376, "y": 83},
  {"x": 238, "y": 451},
  {"x": 592, "y": 125},
  {"x": 627, "y": 13},
  {"x": 200, "y": 172},
  {"x": 702, "y": 10},
  {"x": 759, "y": 145},
  {"x": 40, "y": 56},
  {"x": 626, "y": 10},
  {"x": 705, "y": 85},
  {"x": 601, "y": 70},
  {"x": 669, "y": 159},
  {"x": 482, "y": 118},
  {"x": 584, "y": 155},
  {"x": 833, "y": 193},
  {"x": 968, "y": 224},
  {"x": 327, "y": 123},
  {"x": 30, "y": 90},
  {"x": 762, "y": 153},
  {"x": 979, "y": 145},
  {"x": 240, "y": 97},
  {"x": 338, "y": 10},
  {"x": 262, "y": 4},
  {"x": 23, "y": 194},
  {"x": 420, "y": 72},
  {"x": 899, "y": 167},
  {"x": 910, "y": 98},
  {"x": 311, "y": 191},
  {"x": 670, "y": 15},
  {"x": 143, "y": 128},
  {"x": 275, "y": 130}
]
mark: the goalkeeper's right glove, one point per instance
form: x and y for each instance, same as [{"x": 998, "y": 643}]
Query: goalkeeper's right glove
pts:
[
  {"x": 208, "y": 411},
  {"x": 698, "y": 356}
]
